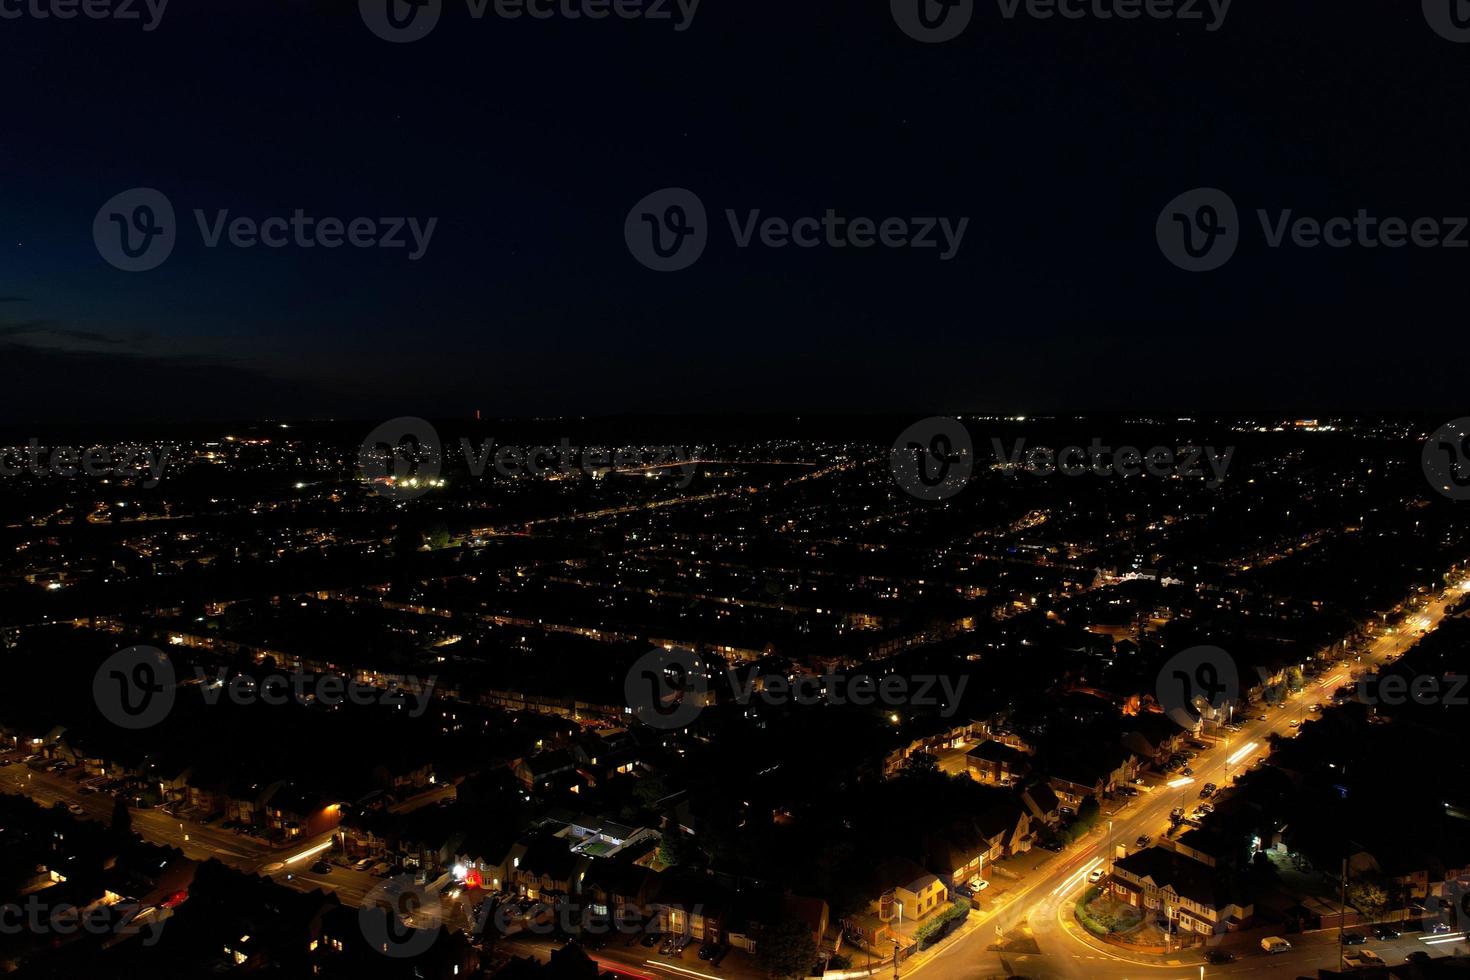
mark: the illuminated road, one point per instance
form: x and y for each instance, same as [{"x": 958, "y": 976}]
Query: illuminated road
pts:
[{"x": 1045, "y": 899}]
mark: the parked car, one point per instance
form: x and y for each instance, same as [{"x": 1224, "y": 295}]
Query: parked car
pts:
[
  {"x": 978, "y": 884},
  {"x": 1050, "y": 845},
  {"x": 75, "y": 809},
  {"x": 1210, "y": 789},
  {"x": 362, "y": 864},
  {"x": 1144, "y": 840},
  {"x": 1353, "y": 939},
  {"x": 1386, "y": 932},
  {"x": 1220, "y": 956},
  {"x": 321, "y": 868},
  {"x": 1187, "y": 770},
  {"x": 1275, "y": 944},
  {"x": 1098, "y": 874},
  {"x": 1362, "y": 959}
]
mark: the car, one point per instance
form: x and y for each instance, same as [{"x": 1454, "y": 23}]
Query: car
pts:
[
  {"x": 321, "y": 868},
  {"x": 1436, "y": 927},
  {"x": 362, "y": 864},
  {"x": 1128, "y": 791},
  {"x": 1187, "y": 771},
  {"x": 664, "y": 944},
  {"x": 1138, "y": 781},
  {"x": 1353, "y": 939},
  {"x": 1295, "y": 724},
  {"x": 1362, "y": 959},
  {"x": 1260, "y": 717},
  {"x": 1177, "y": 813},
  {"x": 592, "y": 940},
  {"x": 706, "y": 950},
  {"x": 1098, "y": 874},
  {"x": 75, "y": 809},
  {"x": 1275, "y": 944},
  {"x": 978, "y": 884},
  {"x": 1050, "y": 845},
  {"x": 1220, "y": 956},
  {"x": 1210, "y": 789},
  {"x": 1386, "y": 932},
  {"x": 1314, "y": 706},
  {"x": 1144, "y": 840}
]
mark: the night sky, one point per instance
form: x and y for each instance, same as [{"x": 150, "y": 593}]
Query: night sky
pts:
[{"x": 530, "y": 140}]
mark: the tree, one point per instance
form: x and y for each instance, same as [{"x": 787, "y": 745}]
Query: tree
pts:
[
  {"x": 787, "y": 950},
  {"x": 122, "y": 818},
  {"x": 1368, "y": 897},
  {"x": 920, "y": 765}
]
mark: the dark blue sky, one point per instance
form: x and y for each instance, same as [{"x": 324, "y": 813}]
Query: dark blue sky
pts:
[{"x": 529, "y": 141}]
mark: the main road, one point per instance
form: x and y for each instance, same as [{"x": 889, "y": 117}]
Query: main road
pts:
[{"x": 1044, "y": 899}]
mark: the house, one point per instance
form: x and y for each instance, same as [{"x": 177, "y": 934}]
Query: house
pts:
[
  {"x": 1041, "y": 802},
  {"x": 905, "y": 894},
  {"x": 544, "y": 771},
  {"x": 812, "y": 912},
  {"x": 917, "y": 891},
  {"x": 1153, "y": 738},
  {"x": 1006, "y": 827},
  {"x": 549, "y": 869},
  {"x": 1075, "y": 777},
  {"x": 997, "y": 764},
  {"x": 1181, "y": 889}
]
